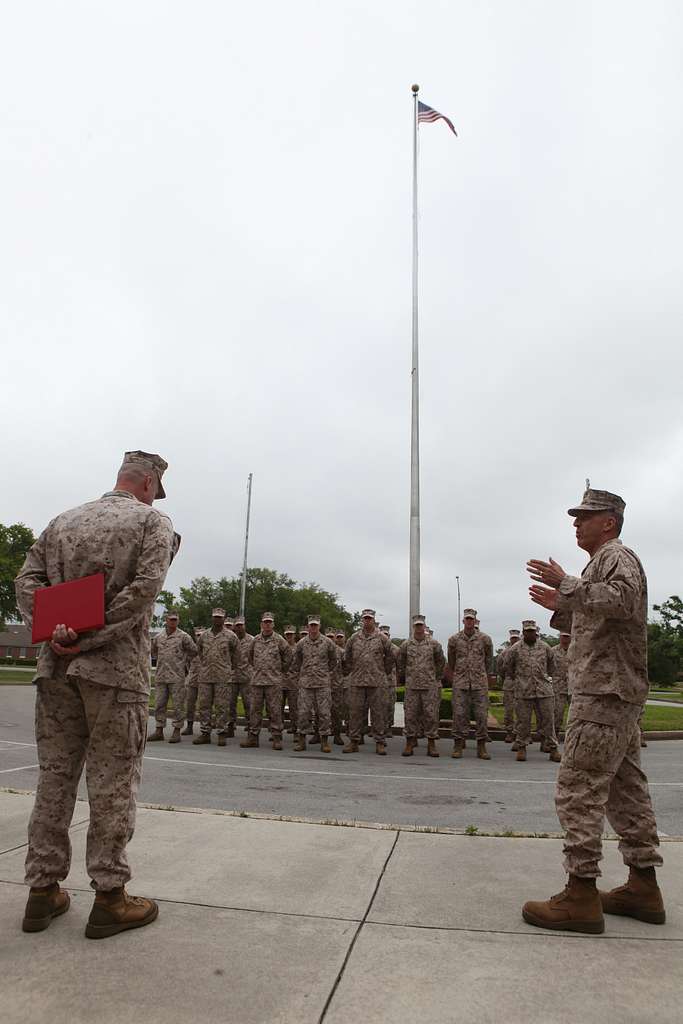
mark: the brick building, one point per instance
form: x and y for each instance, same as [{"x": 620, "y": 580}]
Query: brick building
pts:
[{"x": 15, "y": 642}]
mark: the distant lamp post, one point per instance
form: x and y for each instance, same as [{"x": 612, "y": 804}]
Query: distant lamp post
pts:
[{"x": 457, "y": 580}]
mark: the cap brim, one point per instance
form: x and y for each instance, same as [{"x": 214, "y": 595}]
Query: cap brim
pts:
[
  {"x": 586, "y": 508},
  {"x": 161, "y": 493}
]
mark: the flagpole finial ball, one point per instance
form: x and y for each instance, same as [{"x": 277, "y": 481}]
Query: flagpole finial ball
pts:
[{"x": 415, "y": 88}]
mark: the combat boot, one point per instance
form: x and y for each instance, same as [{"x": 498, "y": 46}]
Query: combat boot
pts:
[
  {"x": 158, "y": 735},
  {"x": 521, "y": 754},
  {"x": 458, "y": 746},
  {"x": 116, "y": 911},
  {"x": 576, "y": 909},
  {"x": 325, "y": 746},
  {"x": 277, "y": 742},
  {"x": 338, "y": 741},
  {"x": 204, "y": 737},
  {"x": 42, "y": 905},
  {"x": 350, "y": 748},
  {"x": 409, "y": 747},
  {"x": 189, "y": 728},
  {"x": 231, "y": 730},
  {"x": 508, "y": 738},
  {"x": 640, "y": 897},
  {"x": 299, "y": 743},
  {"x": 515, "y": 746},
  {"x": 175, "y": 738},
  {"x": 249, "y": 741},
  {"x": 380, "y": 747},
  {"x": 482, "y": 752},
  {"x": 643, "y": 741},
  {"x": 222, "y": 739},
  {"x": 555, "y": 755},
  {"x": 314, "y": 740},
  {"x": 432, "y": 750}
]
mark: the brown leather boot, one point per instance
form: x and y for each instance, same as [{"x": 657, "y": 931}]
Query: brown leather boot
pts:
[
  {"x": 576, "y": 909},
  {"x": 380, "y": 747},
  {"x": 299, "y": 743},
  {"x": 42, "y": 905},
  {"x": 338, "y": 741},
  {"x": 555, "y": 756},
  {"x": 277, "y": 742},
  {"x": 325, "y": 746},
  {"x": 158, "y": 735},
  {"x": 116, "y": 911},
  {"x": 640, "y": 897},
  {"x": 458, "y": 746},
  {"x": 249, "y": 741},
  {"x": 189, "y": 728},
  {"x": 409, "y": 747},
  {"x": 222, "y": 739},
  {"x": 175, "y": 738},
  {"x": 204, "y": 737},
  {"x": 231, "y": 730},
  {"x": 350, "y": 748},
  {"x": 521, "y": 754},
  {"x": 432, "y": 750},
  {"x": 482, "y": 752}
]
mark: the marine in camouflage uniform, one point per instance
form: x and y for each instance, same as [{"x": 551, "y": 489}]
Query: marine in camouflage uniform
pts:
[
  {"x": 315, "y": 657},
  {"x": 605, "y": 609},
  {"x": 92, "y": 693},
  {"x": 192, "y": 689},
  {"x": 560, "y": 684},
  {"x": 173, "y": 650},
  {"x": 270, "y": 657},
  {"x": 531, "y": 666},
  {"x": 340, "y": 641},
  {"x": 220, "y": 656},
  {"x": 470, "y": 663},
  {"x": 420, "y": 661},
  {"x": 337, "y": 719},
  {"x": 368, "y": 658},
  {"x": 392, "y": 683},
  {"x": 290, "y": 691},
  {"x": 241, "y": 680},
  {"x": 508, "y": 686}
]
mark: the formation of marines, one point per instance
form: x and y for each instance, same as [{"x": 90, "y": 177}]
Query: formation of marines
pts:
[{"x": 328, "y": 686}]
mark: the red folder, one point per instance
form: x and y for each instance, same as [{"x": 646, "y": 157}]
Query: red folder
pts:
[{"x": 78, "y": 604}]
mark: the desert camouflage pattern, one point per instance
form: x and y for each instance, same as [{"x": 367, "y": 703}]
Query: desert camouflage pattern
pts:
[
  {"x": 191, "y": 689},
  {"x": 468, "y": 704},
  {"x": 216, "y": 696},
  {"x": 421, "y": 662},
  {"x": 560, "y": 685},
  {"x": 545, "y": 720},
  {"x": 362, "y": 699},
  {"x": 531, "y": 667},
  {"x": 315, "y": 706},
  {"x": 470, "y": 659},
  {"x": 173, "y": 652},
  {"x": 241, "y": 680},
  {"x": 269, "y": 658},
  {"x": 220, "y": 656},
  {"x": 316, "y": 661},
  {"x": 368, "y": 660}
]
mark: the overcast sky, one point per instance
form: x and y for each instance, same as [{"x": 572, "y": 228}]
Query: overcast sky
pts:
[{"x": 205, "y": 251}]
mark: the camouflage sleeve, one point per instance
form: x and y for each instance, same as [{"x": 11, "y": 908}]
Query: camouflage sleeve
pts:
[
  {"x": 388, "y": 657},
  {"x": 617, "y": 595},
  {"x": 348, "y": 657},
  {"x": 332, "y": 659},
  {"x": 551, "y": 661},
  {"x": 285, "y": 653},
  {"x": 511, "y": 662},
  {"x": 236, "y": 656},
  {"x": 189, "y": 646},
  {"x": 439, "y": 659},
  {"x": 562, "y": 620},
  {"x": 402, "y": 658},
  {"x": 488, "y": 648},
  {"x": 298, "y": 655},
  {"x": 134, "y": 600},
  {"x": 451, "y": 654},
  {"x": 32, "y": 576}
]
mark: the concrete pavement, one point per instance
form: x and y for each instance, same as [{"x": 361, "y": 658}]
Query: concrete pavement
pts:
[{"x": 272, "y": 921}]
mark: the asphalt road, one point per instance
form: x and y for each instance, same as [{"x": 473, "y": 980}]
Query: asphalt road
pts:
[{"x": 497, "y": 795}]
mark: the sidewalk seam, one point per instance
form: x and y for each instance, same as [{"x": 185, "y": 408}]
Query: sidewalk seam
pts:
[
  {"x": 357, "y": 932},
  {"x": 528, "y": 934}
]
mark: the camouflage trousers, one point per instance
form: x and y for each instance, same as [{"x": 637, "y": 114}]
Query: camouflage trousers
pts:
[
  {"x": 214, "y": 695},
  {"x": 337, "y": 710},
  {"x": 560, "y": 702},
  {"x": 543, "y": 706},
  {"x": 290, "y": 696},
  {"x": 420, "y": 708},
  {"x": 390, "y": 708},
  {"x": 360, "y": 698},
  {"x": 272, "y": 697},
  {"x": 79, "y": 723},
  {"x": 162, "y": 691},
  {"x": 468, "y": 703},
  {"x": 509, "y": 706},
  {"x": 601, "y": 775},
  {"x": 191, "y": 691},
  {"x": 238, "y": 689},
  {"x": 315, "y": 702}
]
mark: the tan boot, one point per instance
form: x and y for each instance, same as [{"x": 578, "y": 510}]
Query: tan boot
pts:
[
  {"x": 458, "y": 746},
  {"x": 175, "y": 738},
  {"x": 576, "y": 909},
  {"x": 381, "y": 747},
  {"x": 521, "y": 754},
  {"x": 640, "y": 897},
  {"x": 432, "y": 750},
  {"x": 222, "y": 739},
  {"x": 277, "y": 742},
  {"x": 249, "y": 741},
  {"x": 409, "y": 747},
  {"x": 299, "y": 743},
  {"x": 189, "y": 728},
  {"x": 42, "y": 905},
  {"x": 350, "y": 748},
  {"x": 555, "y": 756},
  {"x": 325, "y": 747},
  {"x": 158, "y": 735},
  {"x": 116, "y": 911},
  {"x": 482, "y": 752},
  {"x": 204, "y": 737}
]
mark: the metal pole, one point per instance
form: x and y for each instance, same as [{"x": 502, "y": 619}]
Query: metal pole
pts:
[
  {"x": 243, "y": 593},
  {"x": 415, "y": 419},
  {"x": 457, "y": 580}
]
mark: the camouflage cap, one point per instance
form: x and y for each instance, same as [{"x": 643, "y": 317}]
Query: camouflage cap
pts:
[
  {"x": 153, "y": 463},
  {"x": 419, "y": 618},
  {"x": 385, "y": 629},
  {"x": 368, "y": 613},
  {"x": 469, "y": 613},
  {"x": 289, "y": 630},
  {"x": 303, "y": 629},
  {"x": 313, "y": 620},
  {"x": 218, "y": 611},
  {"x": 240, "y": 621},
  {"x": 529, "y": 624},
  {"x": 267, "y": 617},
  {"x": 340, "y": 632},
  {"x": 329, "y": 631},
  {"x": 564, "y": 633},
  {"x": 514, "y": 632},
  {"x": 172, "y": 615},
  {"x": 599, "y": 501}
]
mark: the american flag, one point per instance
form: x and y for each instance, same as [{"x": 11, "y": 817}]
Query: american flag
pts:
[{"x": 425, "y": 113}]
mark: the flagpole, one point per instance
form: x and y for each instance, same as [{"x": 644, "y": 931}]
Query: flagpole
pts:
[
  {"x": 415, "y": 404},
  {"x": 243, "y": 589}
]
